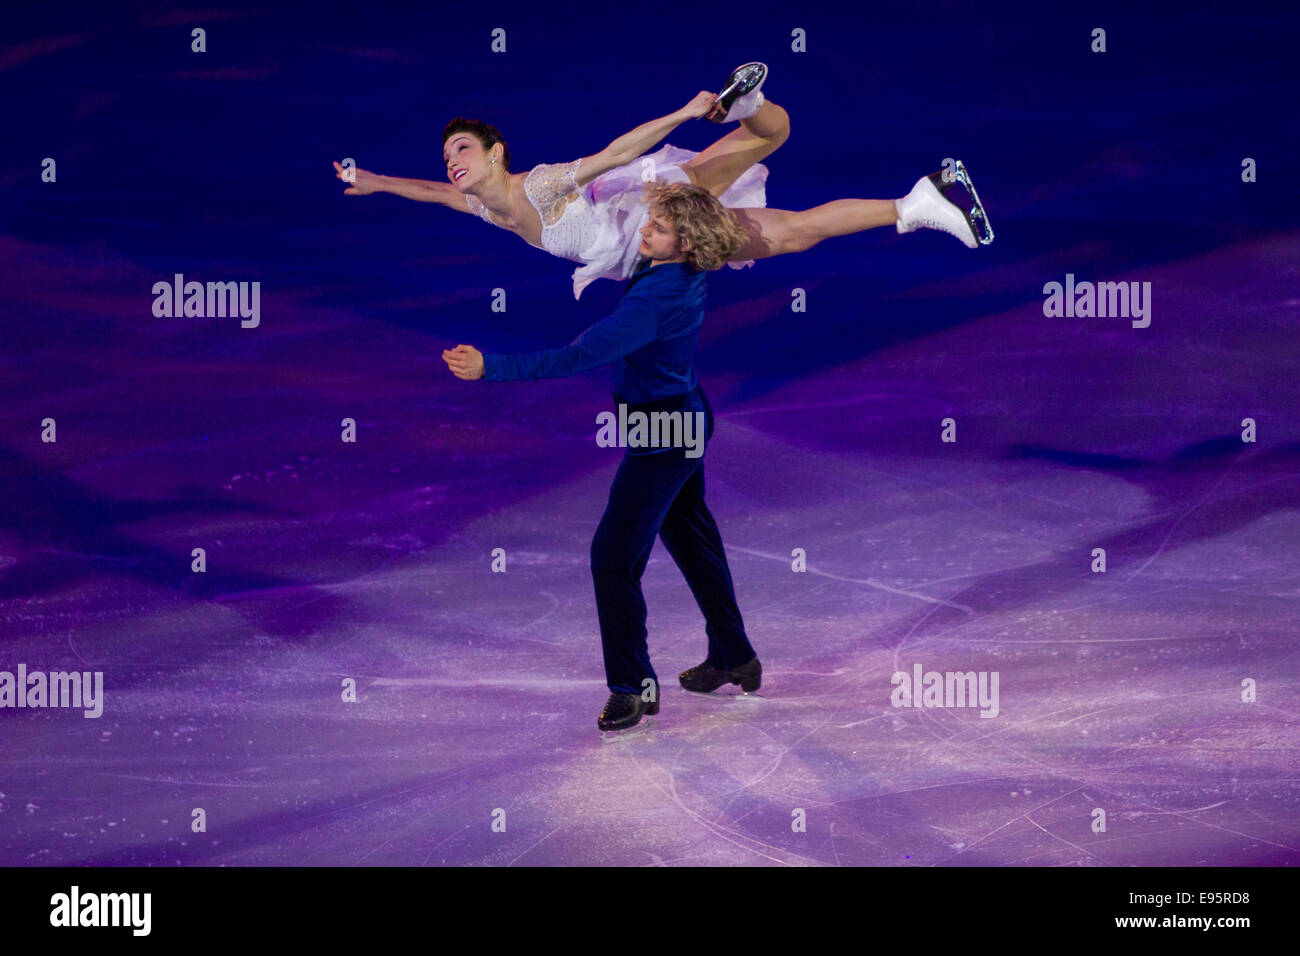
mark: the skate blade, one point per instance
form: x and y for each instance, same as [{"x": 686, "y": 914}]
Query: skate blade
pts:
[
  {"x": 745, "y": 79},
  {"x": 742, "y": 81},
  {"x": 738, "y": 694},
  {"x": 636, "y": 730},
  {"x": 977, "y": 217}
]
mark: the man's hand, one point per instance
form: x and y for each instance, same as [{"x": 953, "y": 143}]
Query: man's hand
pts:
[
  {"x": 465, "y": 361},
  {"x": 363, "y": 184}
]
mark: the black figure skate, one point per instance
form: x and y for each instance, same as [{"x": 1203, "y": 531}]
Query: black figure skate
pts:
[
  {"x": 704, "y": 678},
  {"x": 624, "y": 710}
]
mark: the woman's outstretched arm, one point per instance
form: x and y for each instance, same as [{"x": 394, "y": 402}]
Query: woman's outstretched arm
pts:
[
  {"x": 364, "y": 183},
  {"x": 631, "y": 145}
]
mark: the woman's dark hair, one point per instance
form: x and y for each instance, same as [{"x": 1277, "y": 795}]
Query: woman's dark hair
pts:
[{"x": 487, "y": 135}]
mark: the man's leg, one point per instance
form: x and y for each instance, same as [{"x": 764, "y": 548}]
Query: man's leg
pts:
[
  {"x": 691, "y": 536},
  {"x": 639, "y": 499}
]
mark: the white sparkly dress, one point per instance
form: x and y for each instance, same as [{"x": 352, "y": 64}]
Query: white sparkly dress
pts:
[{"x": 599, "y": 224}]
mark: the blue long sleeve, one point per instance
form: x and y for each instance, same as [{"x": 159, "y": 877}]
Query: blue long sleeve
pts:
[
  {"x": 632, "y": 325},
  {"x": 654, "y": 330}
]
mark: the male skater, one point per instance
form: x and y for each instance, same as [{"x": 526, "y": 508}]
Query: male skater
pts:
[{"x": 652, "y": 334}]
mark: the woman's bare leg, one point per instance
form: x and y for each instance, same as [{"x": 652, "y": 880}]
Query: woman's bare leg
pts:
[
  {"x": 774, "y": 232},
  {"x": 757, "y": 138}
]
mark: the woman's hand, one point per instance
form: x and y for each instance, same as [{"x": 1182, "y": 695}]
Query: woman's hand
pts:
[
  {"x": 360, "y": 182},
  {"x": 702, "y": 105},
  {"x": 465, "y": 361}
]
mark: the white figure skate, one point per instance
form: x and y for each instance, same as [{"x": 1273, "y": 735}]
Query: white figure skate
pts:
[
  {"x": 928, "y": 206},
  {"x": 743, "y": 95}
]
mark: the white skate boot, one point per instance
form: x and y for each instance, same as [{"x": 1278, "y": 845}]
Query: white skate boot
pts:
[
  {"x": 743, "y": 96},
  {"x": 928, "y": 207}
]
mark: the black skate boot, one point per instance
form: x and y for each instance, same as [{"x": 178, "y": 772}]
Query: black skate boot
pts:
[
  {"x": 742, "y": 97},
  {"x": 624, "y": 710},
  {"x": 704, "y": 678}
]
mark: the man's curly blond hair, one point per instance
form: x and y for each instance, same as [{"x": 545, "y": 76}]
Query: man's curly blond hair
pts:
[{"x": 703, "y": 224}]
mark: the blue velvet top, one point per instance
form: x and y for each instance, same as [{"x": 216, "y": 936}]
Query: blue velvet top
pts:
[{"x": 654, "y": 330}]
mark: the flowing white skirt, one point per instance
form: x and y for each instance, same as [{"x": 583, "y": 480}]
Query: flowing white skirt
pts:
[{"x": 620, "y": 211}]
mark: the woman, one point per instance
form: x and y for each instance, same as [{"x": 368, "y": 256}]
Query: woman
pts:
[{"x": 591, "y": 210}]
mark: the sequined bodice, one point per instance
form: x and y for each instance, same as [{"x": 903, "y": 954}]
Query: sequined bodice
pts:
[{"x": 567, "y": 216}]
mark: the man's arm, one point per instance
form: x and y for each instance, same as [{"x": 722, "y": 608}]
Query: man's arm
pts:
[{"x": 633, "y": 324}]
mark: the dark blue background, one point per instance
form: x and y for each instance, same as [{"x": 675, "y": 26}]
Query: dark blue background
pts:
[{"x": 1091, "y": 163}]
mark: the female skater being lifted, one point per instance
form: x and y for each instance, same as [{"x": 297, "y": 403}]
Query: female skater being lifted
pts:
[{"x": 591, "y": 210}]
